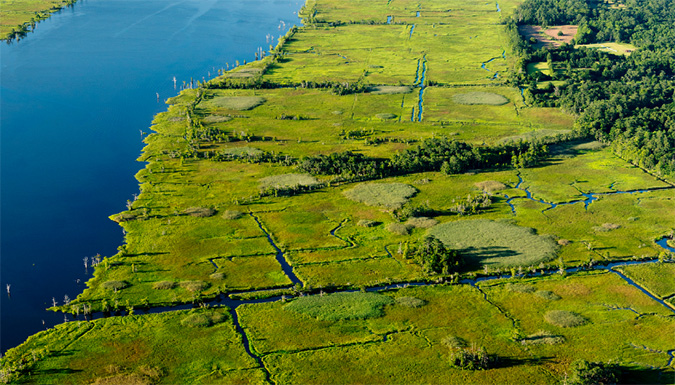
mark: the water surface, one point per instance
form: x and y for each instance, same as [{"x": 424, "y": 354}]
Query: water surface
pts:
[{"x": 74, "y": 96}]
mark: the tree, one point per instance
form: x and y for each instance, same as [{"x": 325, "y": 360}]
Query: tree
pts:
[
  {"x": 594, "y": 373},
  {"x": 435, "y": 257}
]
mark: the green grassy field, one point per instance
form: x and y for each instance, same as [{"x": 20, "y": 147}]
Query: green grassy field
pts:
[{"x": 225, "y": 210}]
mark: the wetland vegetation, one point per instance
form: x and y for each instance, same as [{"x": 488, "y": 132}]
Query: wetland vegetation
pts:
[{"x": 390, "y": 196}]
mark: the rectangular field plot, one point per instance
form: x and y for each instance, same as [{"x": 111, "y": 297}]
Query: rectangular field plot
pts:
[
  {"x": 559, "y": 316},
  {"x": 369, "y": 272},
  {"x": 170, "y": 347},
  {"x": 658, "y": 278}
]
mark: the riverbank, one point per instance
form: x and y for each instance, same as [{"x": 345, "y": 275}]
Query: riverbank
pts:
[
  {"x": 231, "y": 202},
  {"x": 17, "y": 18}
]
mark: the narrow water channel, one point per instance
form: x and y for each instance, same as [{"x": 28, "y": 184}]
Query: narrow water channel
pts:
[{"x": 75, "y": 96}]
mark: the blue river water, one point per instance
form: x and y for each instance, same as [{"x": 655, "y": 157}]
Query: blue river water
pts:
[{"x": 74, "y": 97}]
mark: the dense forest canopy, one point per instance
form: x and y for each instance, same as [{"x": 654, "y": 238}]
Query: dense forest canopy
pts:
[{"x": 628, "y": 101}]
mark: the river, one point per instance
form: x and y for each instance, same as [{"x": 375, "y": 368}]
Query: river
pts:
[{"x": 74, "y": 98}]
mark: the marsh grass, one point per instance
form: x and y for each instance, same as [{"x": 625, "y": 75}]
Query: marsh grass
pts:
[
  {"x": 385, "y": 116},
  {"x": 217, "y": 276},
  {"x": 520, "y": 288},
  {"x": 287, "y": 180},
  {"x": 388, "y": 195},
  {"x": 239, "y": 103},
  {"x": 398, "y": 228},
  {"x": 200, "y": 212},
  {"x": 114, "y": 285},
  {"x": 215, "y": 119},
  {"x": 164, "y": 285},
  {"x": 483, "y": 98},
  {"x": 194, "y": 286},
  {"x": 491, "y": 185},
  {"x": 542, "y": 337},
  {"x": 564, "y": 319},
  {"x": 496, "y": 244},
  {"x": 412, "y": 302},
  {"x": 367, "y": 223},
  {"x": 123, "y": 379},
  {"x": 390, "y": 90},
  {"x": 454, "y": 342},
  {"x": 547, "y": 294},
  {"x": 605, "y": 227},
  {"x": 241, "y": 151},
  {"x": 232, "y": 214},
  {"x": 340, "y": 306},
  {"x": 421, "y": 222},
  {"x": 202, "y": 319}
]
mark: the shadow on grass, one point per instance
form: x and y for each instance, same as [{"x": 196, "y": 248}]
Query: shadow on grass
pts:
[
  {"x": 57, "y": 371},
  {"x": 633, "y": 375},
  {"x": 508, "y": 362}
]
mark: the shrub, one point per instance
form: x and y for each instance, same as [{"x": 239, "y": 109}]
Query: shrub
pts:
[
  {"x": 153, "y": 372},
  {"x": 114, "y": 285},
  {"x": 564, "y": 242},
  {"x": 164, "y": 285},
  {"x": 471, "y": 358},
  {"x": 194, "y": 286},
  {"x": 398, "y": 228},
  {"x": 340, "y": 306},
  {"x": 519, "y": 288},
  {"x": 434, "y": 256},
  {"x": 547, "y": 294},
  {"x": 200, "y": 212},
  {"x": 412, "y": 302},
  {"x": 217, "y": 276},
  {"x": 388, "y": 195},
  {"x": 124, "y": 217},
  {"x": 490, "y": 185},
  {"x": 564, "y": 319},
  {"x": 421, "y": 222},
  {"x": 594, "y": 373},
  {"x": 232, "y": 214},
  {"x": 454, "y": 342},
  {"x": 485, "y": 98},
  {"x": 367, "y": 223},
  {"x": 542, "y": 337}
]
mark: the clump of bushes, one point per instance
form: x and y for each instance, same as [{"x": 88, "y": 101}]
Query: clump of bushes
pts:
[
  {"x": 194, "y": 286},
  {"x": 432, "y": 254},
  {"x": 594, "y": 373},
  {"x": 389, "y": 195},
  {"x": 114, "y": 285},
  {"x": 198, "y": 320},
  {"x": 240, "y": 152},
  {"x": 472, "y": 358},
  {"x": 412, "y": 302},
  {"x": 340, "y": 306},
  {"x": 367, "y": 223},
  {"x": 542, "y": 337},
  {"x": 390, "y": 90},
  {"x": 564, "y": 242},
  {"x": 547, "y": 294},
  {"x": 564, "y": 319},
  {"x": 163, "y": 285},
  {"x": 287, "y": 181},
  {"x": 124, "y": 217},
  {"x": 200, "y": 212},
  {"x": 398, "y": 228},
  {"x": 232, "y": 214}
]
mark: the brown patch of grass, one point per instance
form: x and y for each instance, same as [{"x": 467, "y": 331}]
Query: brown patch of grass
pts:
[
  {"x": 200, "y": 212},
  {"x": 548, "y": 37},
  {"x": 164, "y": 285},
  {"x": 490, "y": 185}
]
